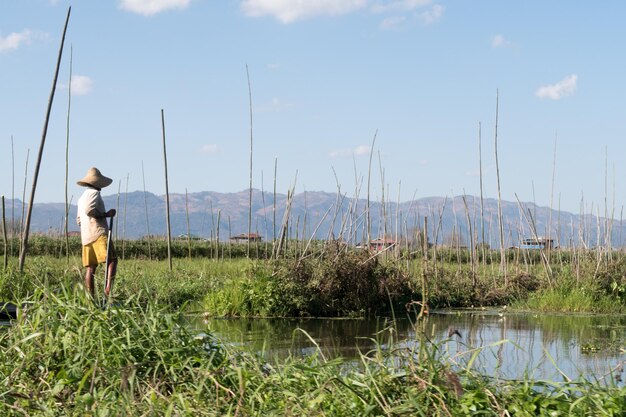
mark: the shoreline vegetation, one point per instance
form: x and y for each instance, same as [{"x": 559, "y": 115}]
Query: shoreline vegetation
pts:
[
  {"x": 331, "y": 279},
  {"x": 138, "y": 358}
]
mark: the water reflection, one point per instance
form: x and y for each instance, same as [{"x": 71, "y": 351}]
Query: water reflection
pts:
[{"x": 541, "y": 346}]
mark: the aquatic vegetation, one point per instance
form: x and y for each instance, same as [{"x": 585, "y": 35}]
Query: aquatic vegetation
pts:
[{"x": 65, "y": 355}]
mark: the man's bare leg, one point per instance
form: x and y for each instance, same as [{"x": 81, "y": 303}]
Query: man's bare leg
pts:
[{"x": 89, "y": 280}]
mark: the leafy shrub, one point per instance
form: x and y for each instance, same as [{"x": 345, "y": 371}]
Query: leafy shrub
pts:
[{"x": 340, "y": 283}]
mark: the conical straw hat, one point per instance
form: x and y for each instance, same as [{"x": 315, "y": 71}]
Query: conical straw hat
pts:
[{"x": 95, "y": 179}]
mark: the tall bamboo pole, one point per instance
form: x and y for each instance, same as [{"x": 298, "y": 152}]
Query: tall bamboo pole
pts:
[
  {"x": 552, "y": 196},
  {"x": 23, "y": 197},
  {"x": 167, "y": 196},
  {"x": 117, "y": 209},
  {"x": 4, "y": 236},
  {"x": 41, "y": 146},
  {"x": 274, "y": 204},
  {"x": 13, "y": 193},
  {"x": 67, "y": 158},
  {"x": 502, "y": 248},
  {"x": 188, "y": 226},
  {"x": 145, "y": 201},
  {"x": 368, "y": 218},
  {"x": 217, "y": 233},
  {"x": 482, "y": 201},
  {"x": 124, "y": 226},
  {"x": 250, "y": 187}
]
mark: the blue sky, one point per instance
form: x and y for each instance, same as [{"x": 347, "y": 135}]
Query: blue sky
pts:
[{"x": 326, "y": 76}]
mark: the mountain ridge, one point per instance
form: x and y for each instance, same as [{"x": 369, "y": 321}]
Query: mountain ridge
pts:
[{"x": 326, "y": 214}]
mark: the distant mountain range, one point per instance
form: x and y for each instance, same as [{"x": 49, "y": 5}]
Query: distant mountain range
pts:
[{"x": 322, "y": 214}]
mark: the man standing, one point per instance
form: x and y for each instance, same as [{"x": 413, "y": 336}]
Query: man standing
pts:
[{"x": 94, "y": 229}]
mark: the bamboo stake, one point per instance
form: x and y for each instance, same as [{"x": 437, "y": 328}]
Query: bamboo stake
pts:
[
  {"x": 368, "y": 219},
  {"x": 67, "y": 156},
  {"x": 21, "y": 228},
  {"x": 230, "y": 241},
  {"x": 145, "y": 201},
  {"x": 250, "y": 188},
  {"x": 13, "y": 194},
  {"x": 41, "y": 146},
  {"x": 188, "y": 228},
  {"x": 4, "y": 236},
  {"x": 482, "y": 203},
  {"x": 213, "y": 253},
  {"x": 274, "y": 204},
  {"x": 552, "y": 196},
  {"x": 124, "y": 226},
  {"x": 167, "y": 196},
  {"x": 264, "y": 212},
  {"x": 471, "y": 246},
  {"x": 217, "y": 234},
  {"x": 502, "y": 249},
  {"x": 117, "y": 208}
]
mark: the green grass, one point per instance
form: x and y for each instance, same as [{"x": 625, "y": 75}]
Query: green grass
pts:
[
  {"x": 572, "y": 300},
  {"x": 65, "y": 356}
]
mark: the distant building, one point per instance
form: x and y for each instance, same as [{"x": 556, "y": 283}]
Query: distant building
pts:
[
  {"x": 244, "y": 237},
  {"x": 382, "y": 243},
  {"x": 537, "y": 243}
]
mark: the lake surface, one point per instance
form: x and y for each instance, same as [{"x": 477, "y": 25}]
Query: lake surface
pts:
[{"x": 512, "y": 345}]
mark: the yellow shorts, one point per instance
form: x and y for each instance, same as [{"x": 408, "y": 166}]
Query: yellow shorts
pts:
[{"x": 95, "y": 253}]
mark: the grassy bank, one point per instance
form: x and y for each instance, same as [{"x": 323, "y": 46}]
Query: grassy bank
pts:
[
  {"x": 337, "y": 281},
  {"x": 64, "y": 356}
]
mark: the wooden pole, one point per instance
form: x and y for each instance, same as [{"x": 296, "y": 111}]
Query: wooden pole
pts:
[
  {"x": 188, "y": 227},
  {"x": 67, "y": 159},
  {"x": 145, "y": 201},
  {"x": 21, "y": 229},
  {"x": 13, "y": 193},
  {"x": 167, "y": 197},
  {"x": 502, "y": 248},
  {"x": 4, "y": 236},
  {"x": 250, "y": 188},
  {"x": 41, "y": 146}
]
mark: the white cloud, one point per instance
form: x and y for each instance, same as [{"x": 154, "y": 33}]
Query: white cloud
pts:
[
  {"x": 289, "y": 11},
  {"x": 209, "y": 149},
  {"x": 392, "y": 22},
  {"x": 563, "y": 88},
  {"x": 500, "y": 41},
  {"x": 273, "y": 66},
  {"x": 81, "y": 85},
  {"x": 358, "y": 151},
  {"x": 14, "y": 40},
  {"x": 399, "y": 6},
  {"x": 151, "y": 7},
  {"x": 432, "y": 15}
]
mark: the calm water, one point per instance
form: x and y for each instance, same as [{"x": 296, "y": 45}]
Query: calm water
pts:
[{"x": 541, "y": 346}]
